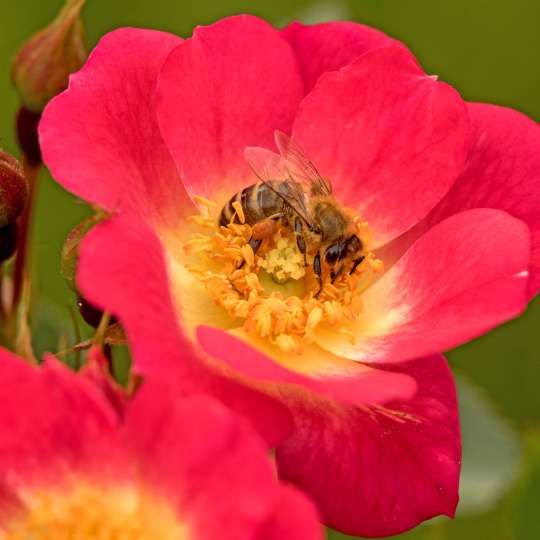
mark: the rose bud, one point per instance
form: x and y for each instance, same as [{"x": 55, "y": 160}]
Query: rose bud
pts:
[
  {"x": 13, "y": 189},
  {"x": 91, "y": 315},
  {"x": 26, "y": 125},
  {"x": 69, "y": 256},
  {"x": 42, "y": 66},
  {"x": 69, "y": 260},
  {"x": 8, "y": 241}
]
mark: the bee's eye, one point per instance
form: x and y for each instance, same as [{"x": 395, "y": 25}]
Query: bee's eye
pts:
[
  {"x": 354, "y": 244},
  {"x": 332, "y": 254}
]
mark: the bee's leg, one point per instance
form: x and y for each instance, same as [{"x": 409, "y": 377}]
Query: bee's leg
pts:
[
  {"x": 255, "y": 244},
  {"x": 335, "y": 274},
  {"x": 356, "y": 264},
  {"x": 300, "y": 242},
  {"x": 318, "y": 272}
]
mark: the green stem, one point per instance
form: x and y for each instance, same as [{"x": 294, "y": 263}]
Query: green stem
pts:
[{"x": 25, "y": 221}]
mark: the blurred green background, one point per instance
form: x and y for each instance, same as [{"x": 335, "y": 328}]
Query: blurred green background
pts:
[{"x": 489, "y": 50}]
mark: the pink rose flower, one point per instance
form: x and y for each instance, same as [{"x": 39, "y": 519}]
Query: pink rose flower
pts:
[
  {"x": 445, "y": 194},
  {"x": 76, "y": 464}
]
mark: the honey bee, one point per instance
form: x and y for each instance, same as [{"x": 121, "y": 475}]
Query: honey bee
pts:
[{"x": 291, "y": 193}]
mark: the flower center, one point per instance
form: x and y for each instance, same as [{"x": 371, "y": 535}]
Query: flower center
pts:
[
  {"x": 88, "y": 512},
  {"x": 275, "y": 292}
]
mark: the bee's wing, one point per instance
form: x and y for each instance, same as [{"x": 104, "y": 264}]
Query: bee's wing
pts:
[
  {"x": 270, "y": 167},
  {"x": 300, "y": 168},
  {"x": 267, "y": 165}
]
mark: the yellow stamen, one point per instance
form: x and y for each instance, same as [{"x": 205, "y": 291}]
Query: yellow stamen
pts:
[
  {"x": 289, "y": 344},
  {"x": 314, "y": 318},
  {"x": 239, "y": 211},
  {"x": 333, "y": 312},
  {"x": 376, "y": 265},
  {"x": 248, "y": 254},
  {"x": 351, "y": 338},
  {"x": 204, "y": 201},
  {"x": 202, "y": 221}
]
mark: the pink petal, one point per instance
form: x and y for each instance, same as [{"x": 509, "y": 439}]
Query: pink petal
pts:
[
  {"x": 229, "y": 86},
  {"x": 57, "y": 428},
  {"x": 294, "y": 518},
  {"x": 503, "y": 171},
  {"x": 359, "y": 385},
  {"x": 100, "y": 137},
  {"x": 97, "y": 371},
  {"x": 122, "y": 269},
  {"x": 378, "y": 472},
  {"x": 462, "y": 278},
  {"x": 391, "y": 139},
  {"x": 208, "y": 463},
  {"x": 331, "y": 46}
]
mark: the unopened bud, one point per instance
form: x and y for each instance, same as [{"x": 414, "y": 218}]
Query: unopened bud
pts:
[
  {"x": 70, "y": 250},
  {"x": 42, "y": 66},
  {"x": 27, "y": 135},
  {"x": 8, "y": 241},
  {"x": 90, "y": 313},
  {"x": 13, "y": 189}
]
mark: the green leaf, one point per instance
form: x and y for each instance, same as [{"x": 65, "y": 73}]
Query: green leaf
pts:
[{"x": 492, "y": 451}]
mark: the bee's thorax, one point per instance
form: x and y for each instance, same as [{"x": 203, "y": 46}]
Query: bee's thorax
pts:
[{"x": 330, "y": 220}]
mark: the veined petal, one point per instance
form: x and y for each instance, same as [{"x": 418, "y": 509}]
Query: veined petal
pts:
[
  {"x": 331, "y": 46},
  {"x": 100, "y": 138},
  {"x": 463, "y": 277},
  {"x": 229, "y": 86},
  {"x": 503, "y": 171},
  {"x": 391, "y": 139},
  {"x": 379, "y": 471}
]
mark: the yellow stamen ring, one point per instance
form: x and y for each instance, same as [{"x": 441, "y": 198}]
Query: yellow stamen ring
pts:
[
  {"x": 232, "y": 273},
  {"x": 86, "y": 511}
]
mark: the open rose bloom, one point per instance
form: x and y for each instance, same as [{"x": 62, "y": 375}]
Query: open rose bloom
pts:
[
  {"x": 76, "y": 464},
  {"x": 443, "y": 195}
]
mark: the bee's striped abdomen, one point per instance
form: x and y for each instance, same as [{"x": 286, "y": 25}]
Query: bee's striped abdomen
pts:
[{"x": 258, "y": 201}]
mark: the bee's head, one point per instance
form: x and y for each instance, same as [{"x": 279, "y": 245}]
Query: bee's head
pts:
[{"x": 343, "y": 249}]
